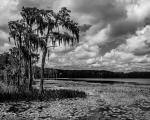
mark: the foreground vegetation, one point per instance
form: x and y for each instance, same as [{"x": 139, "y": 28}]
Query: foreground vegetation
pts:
[
  {"x": 12, "y": 93},
  {"x": 104, "y": 102}
]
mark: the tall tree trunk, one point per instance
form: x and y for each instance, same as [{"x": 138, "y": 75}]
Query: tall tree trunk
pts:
[
  {"x": 30, "y": 68},
  {"x": 5, "y": 77},
  {"x": 43, "y": 64},
  {"x": 42, "y": 70},
  {"x": 19, "y": 71},
  {"x": 26, "y": 73},
  {"x": 30, "y": 75}
]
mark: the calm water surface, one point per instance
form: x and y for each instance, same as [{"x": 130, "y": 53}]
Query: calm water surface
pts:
[{"x": 102, "y": 80}]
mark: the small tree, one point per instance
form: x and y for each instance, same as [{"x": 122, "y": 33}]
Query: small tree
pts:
[{"x": 55, "y": 29}]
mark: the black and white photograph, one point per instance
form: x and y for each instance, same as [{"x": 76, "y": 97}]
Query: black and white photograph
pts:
[{"x": 74, "y": 59}]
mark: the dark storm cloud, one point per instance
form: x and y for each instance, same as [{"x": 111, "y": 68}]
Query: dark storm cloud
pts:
[
  {"x": 100, "y": 10},
  {"x": 111, "y": 44},
  {"x": 85, "y": 27},
  {"x": 4, "y": 28},
  {"x": 36, "y": 3},
  {"x": 141, "y": 52},
  {"x": 2, "y": 42},
  {"x": 124, "y": 27},
  {"x": 28, "y": 3},
  {"x": 147, "y": 21}
]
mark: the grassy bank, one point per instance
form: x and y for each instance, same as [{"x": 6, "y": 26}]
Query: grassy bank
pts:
[{"x": 12, "y": 93}]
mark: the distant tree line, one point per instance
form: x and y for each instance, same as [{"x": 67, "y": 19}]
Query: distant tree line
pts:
[{"x": 59, "y": 73}]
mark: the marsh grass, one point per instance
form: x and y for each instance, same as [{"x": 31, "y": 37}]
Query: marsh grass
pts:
[{"x": 12, "y": 93}]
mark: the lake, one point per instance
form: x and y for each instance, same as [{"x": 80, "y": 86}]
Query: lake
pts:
[{"x": 102, "y": 80}]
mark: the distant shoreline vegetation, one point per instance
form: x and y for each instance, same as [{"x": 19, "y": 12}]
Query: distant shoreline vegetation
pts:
[{"x": 60, "y": 73}]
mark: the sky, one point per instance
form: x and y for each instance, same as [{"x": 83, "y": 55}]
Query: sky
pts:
[{"x": 114, "y": 34}]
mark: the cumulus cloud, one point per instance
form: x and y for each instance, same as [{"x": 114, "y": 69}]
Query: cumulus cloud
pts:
[
  {"x": 132, "y": 55},
  {"x": 122, "y": 61},
  {"x": 138, "y": 44},
  {"x": 117, "y": 38},
  {"x": 139, "y": 11}
]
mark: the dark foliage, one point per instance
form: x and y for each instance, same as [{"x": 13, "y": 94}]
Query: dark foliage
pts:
[{"x": 47, "y": 95}]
